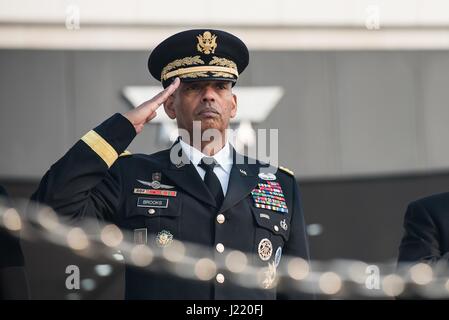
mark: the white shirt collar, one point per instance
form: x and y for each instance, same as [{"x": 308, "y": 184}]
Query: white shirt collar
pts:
[{"x": 222, "y": 157}]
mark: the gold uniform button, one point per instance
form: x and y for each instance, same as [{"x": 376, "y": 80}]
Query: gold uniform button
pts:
[
  {"x": 151, "y": 211},
  {"x": 220, "y": 247},
  {"x": 221, "y": 218},
  {"x": 220, "y": 278}
]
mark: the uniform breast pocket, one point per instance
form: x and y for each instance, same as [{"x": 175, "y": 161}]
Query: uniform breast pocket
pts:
[
  {"x": 275, "y": 222},
  {"x": 154, "y": 213},
  {"x": 272, "y": 231}
]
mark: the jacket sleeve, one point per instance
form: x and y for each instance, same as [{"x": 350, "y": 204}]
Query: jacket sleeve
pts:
[
  {"x": 86, "y": 181},
  {"x": 296, "y": 246},
  {"x": 420, "y": 240}
]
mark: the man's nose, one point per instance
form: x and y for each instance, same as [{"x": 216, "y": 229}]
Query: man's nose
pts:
[{"x": 208, "y": 94}]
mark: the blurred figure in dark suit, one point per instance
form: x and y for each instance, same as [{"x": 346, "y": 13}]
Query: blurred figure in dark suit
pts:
[
  {"x": 426, "y": 236},
  {"x": 13, "y": 281}
]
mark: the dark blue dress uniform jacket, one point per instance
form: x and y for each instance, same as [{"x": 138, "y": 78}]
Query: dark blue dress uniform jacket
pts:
[{"x": 89, "y": 181}]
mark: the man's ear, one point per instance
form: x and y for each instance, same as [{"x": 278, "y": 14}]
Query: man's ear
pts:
[
  {"x": 233, "y": 106},
  {"x": 169, "y": 107}
]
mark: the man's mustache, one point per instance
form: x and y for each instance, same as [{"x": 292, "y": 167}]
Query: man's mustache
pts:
[{"x": 207, "y": 109}]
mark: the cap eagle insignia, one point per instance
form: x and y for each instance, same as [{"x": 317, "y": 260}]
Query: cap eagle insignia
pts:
[{"x": 207, "y": 43}]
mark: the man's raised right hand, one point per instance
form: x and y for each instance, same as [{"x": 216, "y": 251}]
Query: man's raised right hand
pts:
[{"x": 147, "y": 110}]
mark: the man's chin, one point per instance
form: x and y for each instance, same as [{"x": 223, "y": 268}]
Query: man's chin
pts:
[{"x": 210, "y": 123}]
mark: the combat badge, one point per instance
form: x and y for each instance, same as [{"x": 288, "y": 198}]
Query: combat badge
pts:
[{"x": 155, "y": 184}]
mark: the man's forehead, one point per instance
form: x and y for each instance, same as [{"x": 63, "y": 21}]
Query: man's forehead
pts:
[{"x": 205, "y": 82}]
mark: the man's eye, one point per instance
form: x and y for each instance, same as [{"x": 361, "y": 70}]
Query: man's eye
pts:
[{"x": 191, "y": 88}]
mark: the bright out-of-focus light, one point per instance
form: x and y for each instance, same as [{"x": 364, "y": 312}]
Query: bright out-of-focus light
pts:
[
  {"x": 298, "y": 268},
  {"x": 11, "y": 220},
  {"x": 393, "y": 285},
  {"x": 330, "y": 283},
  {"x": 446, "y": 285},
  {"x": 421, "y": 273},
  {"x": 111, "y": 235},
  {"x": 48, "y": 219},
  {"x": 236, "y": 261},
  {"x": 141, "y": 255},
  {"x": 88, "y": 284},
  {"x": 205, "y": 269},
  {"x": 175, "y": 252},
  {"x": 118, "y": 256},
  {"x": 103, "y": 270},
  {"x": 314, "y": 229},
  {"x": 357, "y": 272},
  {"x": 77, "y": 239}
]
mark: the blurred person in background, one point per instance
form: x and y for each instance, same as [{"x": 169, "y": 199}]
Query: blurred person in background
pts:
[
  {"x": 426, "y": 230},
  {"x": 13, "y": 280}
]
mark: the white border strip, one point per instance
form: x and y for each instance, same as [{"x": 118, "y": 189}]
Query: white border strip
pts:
[{"x": 272, "y": 39}]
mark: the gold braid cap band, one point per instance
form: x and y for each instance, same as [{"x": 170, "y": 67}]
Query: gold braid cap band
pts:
[{"x": 183, "y": 71}]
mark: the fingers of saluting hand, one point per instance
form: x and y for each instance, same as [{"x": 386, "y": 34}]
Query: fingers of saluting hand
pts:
[
  {"x": 162, "y": 96},
  {"x": 147, "y": 110},
  {"x": 151, "y": 116}
]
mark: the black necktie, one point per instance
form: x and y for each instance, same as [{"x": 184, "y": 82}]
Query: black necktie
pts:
[{"x": 211, "y": 179}]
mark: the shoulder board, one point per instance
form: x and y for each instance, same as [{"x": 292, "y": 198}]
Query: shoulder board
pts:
[
  {"x": 125, "y": 153},
  {"x": 287, "y": 171}
]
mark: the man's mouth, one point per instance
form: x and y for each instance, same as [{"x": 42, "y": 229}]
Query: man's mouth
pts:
[{"x": 208, "y": 113}]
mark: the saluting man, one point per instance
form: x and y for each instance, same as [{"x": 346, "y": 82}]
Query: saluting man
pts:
[{"x": 201, "y": 192}]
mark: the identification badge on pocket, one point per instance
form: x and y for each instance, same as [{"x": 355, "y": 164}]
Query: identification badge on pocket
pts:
[{"x": 152, "y": 202}]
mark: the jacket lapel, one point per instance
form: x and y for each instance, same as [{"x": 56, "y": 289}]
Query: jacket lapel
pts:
[
  {"x": 242, "y": 180},
  {"x": 186, "y": 177}
]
